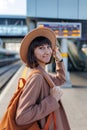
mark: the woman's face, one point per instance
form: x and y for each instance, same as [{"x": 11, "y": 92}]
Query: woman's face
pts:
[{"x": 43, "y": 54}]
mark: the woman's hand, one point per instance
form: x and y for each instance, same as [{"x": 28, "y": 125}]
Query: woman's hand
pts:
[
  {"x": 56, "y": 54},
  {"x": 56, "y": 92}
]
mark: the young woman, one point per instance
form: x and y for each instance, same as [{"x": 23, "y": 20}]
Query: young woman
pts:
[{"x": 38, "y": 100}]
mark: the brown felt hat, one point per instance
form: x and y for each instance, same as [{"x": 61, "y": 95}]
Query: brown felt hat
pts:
[{"x": 40, "y": 31}]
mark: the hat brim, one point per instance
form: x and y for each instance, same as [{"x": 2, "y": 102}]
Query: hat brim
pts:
[{"x": 40, "y": 31}]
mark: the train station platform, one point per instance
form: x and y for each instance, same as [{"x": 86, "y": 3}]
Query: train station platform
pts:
[{"x": 74, "y": 99}]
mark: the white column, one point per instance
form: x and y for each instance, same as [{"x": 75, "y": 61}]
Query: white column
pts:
[
  {"x": 49, "y": 67},
  {"x": 64, "y": 50}
]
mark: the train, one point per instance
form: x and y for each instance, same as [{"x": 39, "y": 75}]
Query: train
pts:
[{"x": 8, "y": 57}]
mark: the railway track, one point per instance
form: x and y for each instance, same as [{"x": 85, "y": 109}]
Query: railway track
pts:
[{"x": 7, "y": 72}]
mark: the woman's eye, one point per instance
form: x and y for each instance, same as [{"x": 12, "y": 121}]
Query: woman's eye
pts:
[{"x": 41, "y": 47}]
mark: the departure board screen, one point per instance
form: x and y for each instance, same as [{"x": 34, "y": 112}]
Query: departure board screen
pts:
[{"x": 63, "y": 30}]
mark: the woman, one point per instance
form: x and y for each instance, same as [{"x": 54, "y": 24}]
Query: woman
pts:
[{"x": 38, "y": 100}]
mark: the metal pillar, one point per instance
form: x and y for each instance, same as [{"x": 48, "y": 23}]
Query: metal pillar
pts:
[{"x": 64, "y": 50}]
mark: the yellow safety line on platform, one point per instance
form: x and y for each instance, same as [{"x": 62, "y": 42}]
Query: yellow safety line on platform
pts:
[
  {"x": 24, "y": 75},
  {"x": 24, "y": 72},
  {"x": 64, "y": 54}
]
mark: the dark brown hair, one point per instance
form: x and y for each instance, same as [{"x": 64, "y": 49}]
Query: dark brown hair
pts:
[{"x": 38, "y": 41}]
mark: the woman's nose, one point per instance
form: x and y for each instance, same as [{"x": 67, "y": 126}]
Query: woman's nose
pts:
[{"x": 47, "y": 49}]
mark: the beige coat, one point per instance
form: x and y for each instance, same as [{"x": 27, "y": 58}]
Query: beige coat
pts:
[{"x": 36, "y": 103}]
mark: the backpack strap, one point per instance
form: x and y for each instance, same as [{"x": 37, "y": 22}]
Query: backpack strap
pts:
[
  {"x": 45, "y": 75},
  {"x": 52, "y": 115}
]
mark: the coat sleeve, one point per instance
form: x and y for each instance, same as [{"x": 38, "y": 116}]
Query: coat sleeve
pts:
[
  {"x": 28, "y": 109},
  {"x": 59, "y": 78}
]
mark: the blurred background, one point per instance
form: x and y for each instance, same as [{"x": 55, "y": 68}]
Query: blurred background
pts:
[{"x": 68, "y": 19}]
